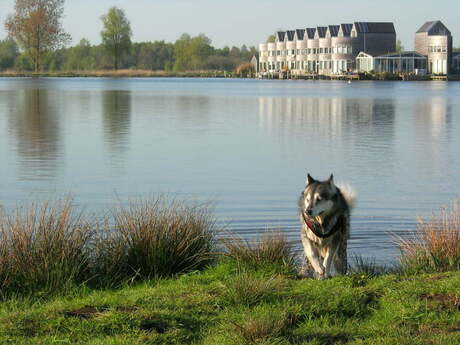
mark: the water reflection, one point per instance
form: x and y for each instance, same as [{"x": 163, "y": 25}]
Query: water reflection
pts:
[
  {"x": 116, "y": 119},
  {"x": 433, "y": 124},
  {"x": 329, "y": 117},
  {"x": 34, "y": 120}
]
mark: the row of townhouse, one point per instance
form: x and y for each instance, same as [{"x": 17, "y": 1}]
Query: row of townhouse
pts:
[
  {"x": 326, "y": 49},
  {"x": 358, "y": 47}
]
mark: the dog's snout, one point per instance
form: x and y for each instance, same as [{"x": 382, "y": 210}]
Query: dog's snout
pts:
[{"x": 309, "y": 212}]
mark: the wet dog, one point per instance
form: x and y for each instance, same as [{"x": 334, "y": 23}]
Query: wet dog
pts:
[{"x": 325, "y": 217}]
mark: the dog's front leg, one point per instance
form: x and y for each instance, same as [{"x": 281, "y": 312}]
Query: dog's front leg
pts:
[
  {"x": 328, "y": 259},
  {"x": 311, "y": 253}
]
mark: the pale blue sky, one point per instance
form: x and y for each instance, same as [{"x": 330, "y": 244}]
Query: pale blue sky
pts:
[{"x": 238, "y": 22}]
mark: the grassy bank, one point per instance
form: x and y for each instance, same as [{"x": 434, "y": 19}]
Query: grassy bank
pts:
[
  {"x": 227, "y": 305},
  {"x": 153, "y": 272}
]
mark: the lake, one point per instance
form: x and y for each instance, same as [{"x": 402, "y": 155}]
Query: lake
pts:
[{"x": 245, "y": 144}]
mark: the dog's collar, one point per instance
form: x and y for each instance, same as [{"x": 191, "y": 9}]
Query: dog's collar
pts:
[{"x": 313, "y": 226}]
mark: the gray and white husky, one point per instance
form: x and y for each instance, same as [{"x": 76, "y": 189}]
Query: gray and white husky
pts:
[{"x": 325, "y": 218}]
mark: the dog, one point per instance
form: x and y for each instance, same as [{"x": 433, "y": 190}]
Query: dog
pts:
[{"x": 325, "y": 217}]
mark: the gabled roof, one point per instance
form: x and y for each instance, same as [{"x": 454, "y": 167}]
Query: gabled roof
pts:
[
  {"x": 434, "y": 28},
  {"x": 333, "y": 30},
  {"x": 346, "y": 29},
  {"x": 280, "y": 35},
  {"x": 290, "y": 35},
  {"x": 375, "y": 27},
  {"x": 300, "y": 33},
  {"x": 321, "y": 31},
  {"x": 310, "y": 32}
]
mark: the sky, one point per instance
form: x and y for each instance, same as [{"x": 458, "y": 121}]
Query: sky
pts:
[{"x": 238, "y": 22}]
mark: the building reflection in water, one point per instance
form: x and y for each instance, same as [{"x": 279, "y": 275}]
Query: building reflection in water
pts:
[
  {"x": 34, "y": 120},
  {"x": 432, "y": 125},
  {"x": 349, "y": 126},
  {"x": 116, "y": 123}
]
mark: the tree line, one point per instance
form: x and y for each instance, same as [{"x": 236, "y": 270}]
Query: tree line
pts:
[{"x": 37, "y": 42}]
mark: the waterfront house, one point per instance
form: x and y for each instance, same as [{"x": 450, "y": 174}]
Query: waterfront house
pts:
[
  {"x": 434, "y": 40},
  {"x": 324, "y": 50},
  {"x": 359, "y": 47}
]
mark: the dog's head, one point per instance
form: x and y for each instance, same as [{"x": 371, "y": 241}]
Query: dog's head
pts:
[{"x": 318, "y": 197}]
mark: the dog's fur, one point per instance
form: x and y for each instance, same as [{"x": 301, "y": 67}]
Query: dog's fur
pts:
[{"x": 325, "y": 210}]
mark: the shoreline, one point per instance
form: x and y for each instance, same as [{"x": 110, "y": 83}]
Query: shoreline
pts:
[{"x": 217, "y": 74}]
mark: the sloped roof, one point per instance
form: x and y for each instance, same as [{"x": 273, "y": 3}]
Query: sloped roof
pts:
[
  {"x": 321, "y": 31},
  {"x": 402, "y": 54},
  {"x": 375, "y": 27},
  {"x": 434, "y": 28},
  {"x": 310, "y": 32},
  {"x": 290, "y": 35},
  {"x": 280, "y": 35},
  {"x": 346, "y": 29},
  {"x": 407, "y": 54},
  {"x": 333, "y": 30},
  {"x": 300, "y": 34}
]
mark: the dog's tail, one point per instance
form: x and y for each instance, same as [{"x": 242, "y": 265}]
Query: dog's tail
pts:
[{"x": 349, "y": 194}]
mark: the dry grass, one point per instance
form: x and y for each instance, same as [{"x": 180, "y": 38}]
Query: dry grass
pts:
[
  {"x": 121, "y": 73},
  {"x": 43, "y": 247},
  {"x": 155, "y": 238},
  {"x": 435, "y": 245},
  {"x": 271, "y": 249}
]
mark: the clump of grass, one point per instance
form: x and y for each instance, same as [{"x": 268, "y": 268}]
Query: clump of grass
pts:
[
  {"x": 43, "y": 248},
  {"x": 270, "y": 250},
  {"x": 261, "y": 329},
  {"x": 155, "y": 238},
  {"x": 435, "y": 245},
  {"x": 368, "y": 267},
  {"x": 248, "y": 290}
]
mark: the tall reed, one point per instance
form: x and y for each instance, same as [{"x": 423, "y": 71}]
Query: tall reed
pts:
[
  {"x": 435, "y": 245},
  {"x": 43, "y": 247},
  {"x": 154, "y": 238}
]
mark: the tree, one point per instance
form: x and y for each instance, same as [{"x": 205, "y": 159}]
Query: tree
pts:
[
  {"x": 8, "y": 53},
  {"x": 399, "y": 46},
  {"x": 79, "y": 57},
  {"x": 116, "y": 35},
  {"x": 36, "y": 26},
  {"x": 271, "y": 39}
]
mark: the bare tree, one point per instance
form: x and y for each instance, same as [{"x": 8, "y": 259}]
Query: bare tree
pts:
[{"x": 36, "y": 26}]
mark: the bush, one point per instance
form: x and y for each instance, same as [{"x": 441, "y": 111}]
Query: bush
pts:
[
  {"x": 154, "y": 238},
  {"x": 435, "y": 245},
  {"x": 270, "y": 250},
  {"x": 43, "y": 248}
]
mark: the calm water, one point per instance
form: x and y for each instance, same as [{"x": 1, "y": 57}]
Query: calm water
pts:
[{"x": 245, "y": 144}]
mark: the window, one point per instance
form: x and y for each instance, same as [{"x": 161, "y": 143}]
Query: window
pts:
[
  {"x": 278, "y": 52},
  {"x": 293, "y": 52}
]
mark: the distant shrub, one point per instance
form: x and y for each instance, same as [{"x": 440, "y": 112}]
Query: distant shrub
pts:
[{"x": 435, "y": 245}]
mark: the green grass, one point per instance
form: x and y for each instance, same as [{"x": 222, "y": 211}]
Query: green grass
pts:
[{"x": 227, "y": 305}]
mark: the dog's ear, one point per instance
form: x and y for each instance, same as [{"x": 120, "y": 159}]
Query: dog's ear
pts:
[
  {"x": 310, "y": 179},
  {"x": 331, "y": 179}
]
